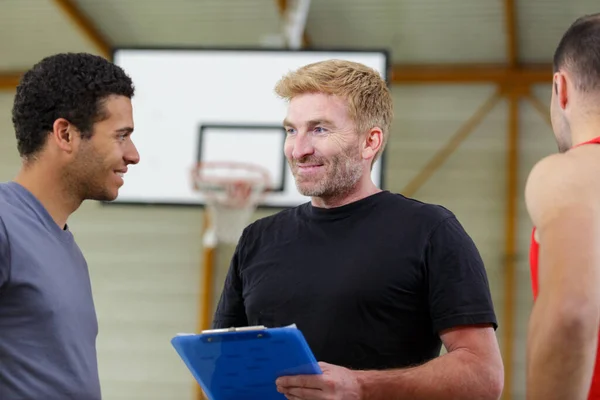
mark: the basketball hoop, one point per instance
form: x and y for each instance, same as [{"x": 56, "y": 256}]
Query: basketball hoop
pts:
[{"x": 232, "y": 192}]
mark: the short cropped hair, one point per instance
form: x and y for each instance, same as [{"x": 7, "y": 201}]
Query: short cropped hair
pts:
[
  {"x": 579, "y": 52},
  {"x": 369, "y": 99},
  {"x": 73, "y": 86}
]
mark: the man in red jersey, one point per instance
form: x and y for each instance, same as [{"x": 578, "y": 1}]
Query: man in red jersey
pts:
[{"x": 563, "y": 201}]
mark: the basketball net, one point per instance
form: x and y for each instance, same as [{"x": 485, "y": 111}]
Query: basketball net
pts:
[{"x": 231, "y": 193}]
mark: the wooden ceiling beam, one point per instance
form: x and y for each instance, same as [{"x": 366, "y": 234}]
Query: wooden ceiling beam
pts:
[
  {"x": 9, "y": 80},
  {"x": 86, "y": 26},
  {"x": 501, "y": 74},
  {"x": 426, "y": 74}
]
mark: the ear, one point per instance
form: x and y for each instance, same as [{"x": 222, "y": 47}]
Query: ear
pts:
[
  {"x": 64, "y": 135},
  {"x": 372, "y": 143},
  {"x": 561, "y": 89}
]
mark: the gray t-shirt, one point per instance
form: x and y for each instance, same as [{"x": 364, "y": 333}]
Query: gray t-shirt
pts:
[{"x": 48, "y": 324}]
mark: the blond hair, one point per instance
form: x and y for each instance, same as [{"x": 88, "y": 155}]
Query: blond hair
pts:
[{"x": 369, "y": 99}]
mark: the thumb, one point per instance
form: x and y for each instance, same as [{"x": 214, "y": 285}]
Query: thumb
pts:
[{"x": 324, "y": 366}]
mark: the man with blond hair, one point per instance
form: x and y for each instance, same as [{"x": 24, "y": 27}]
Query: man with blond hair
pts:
[{"x": 376, "y": 282}]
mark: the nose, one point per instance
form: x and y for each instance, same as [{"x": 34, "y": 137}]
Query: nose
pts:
[
  {"x": 302, "y": 146},
  {"x": 132, "y": 156}
]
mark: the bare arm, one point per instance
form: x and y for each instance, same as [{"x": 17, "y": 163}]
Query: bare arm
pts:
[
  {"x": 563, "y": 200},
  {"x": 471, "y": 369}
]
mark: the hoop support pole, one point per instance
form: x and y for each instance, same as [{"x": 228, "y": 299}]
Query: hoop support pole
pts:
[{"x": 206, "y": 296}]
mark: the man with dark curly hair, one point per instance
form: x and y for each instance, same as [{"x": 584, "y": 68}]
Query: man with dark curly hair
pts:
[{"x": 73, "y": 119}]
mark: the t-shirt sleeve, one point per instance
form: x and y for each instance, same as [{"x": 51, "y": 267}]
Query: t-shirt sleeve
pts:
[
  {"x": 230, "y": 310},
  {"x": 459, "y": 292},
  {"x": 4, "y": 256}
]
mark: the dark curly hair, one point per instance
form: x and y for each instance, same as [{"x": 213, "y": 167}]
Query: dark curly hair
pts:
[{"x": 73, "y": 86}]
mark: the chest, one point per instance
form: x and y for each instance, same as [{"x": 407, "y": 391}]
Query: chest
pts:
[
  {"x": 49, "y": 286},
  {"x": 320, "y": 274}
]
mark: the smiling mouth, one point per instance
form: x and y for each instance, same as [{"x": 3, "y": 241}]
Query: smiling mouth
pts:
[
  {"x": 310, "y": 166},
  {"x": 120, "y": 174},
  {"x": 308, "y": 169}
]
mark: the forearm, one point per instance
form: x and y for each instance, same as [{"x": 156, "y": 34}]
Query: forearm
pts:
[
  {"x": 564, "y": 374},
  {"x": 456, "y": 375}
]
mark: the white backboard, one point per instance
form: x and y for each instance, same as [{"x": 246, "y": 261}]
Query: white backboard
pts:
[{"x": 214, "y": 105}]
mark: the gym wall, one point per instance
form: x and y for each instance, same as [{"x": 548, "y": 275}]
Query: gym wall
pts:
[{"x": 146, "y": 262}]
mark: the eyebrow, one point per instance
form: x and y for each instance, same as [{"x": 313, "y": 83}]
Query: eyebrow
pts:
[
  {"x": 127, "y": 129},
  {"x": 322, "y": 121},
  {"x": 312, "y": 122}
]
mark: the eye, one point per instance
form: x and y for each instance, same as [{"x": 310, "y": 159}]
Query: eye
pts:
[
  {"x": 290, "y": 131},
  {"x": 320, "y": 129}
]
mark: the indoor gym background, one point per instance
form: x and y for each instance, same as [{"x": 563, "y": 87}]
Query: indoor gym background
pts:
[{"x": 471, "y": 85}]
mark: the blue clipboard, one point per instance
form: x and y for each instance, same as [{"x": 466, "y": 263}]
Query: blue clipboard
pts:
[{"x": 243, "y": 363}]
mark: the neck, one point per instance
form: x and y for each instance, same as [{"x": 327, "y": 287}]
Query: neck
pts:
[
  {"x": 365, "y": 188},
  {"x": 585, "y": 129},
  {"x": 50, "y": 190}
]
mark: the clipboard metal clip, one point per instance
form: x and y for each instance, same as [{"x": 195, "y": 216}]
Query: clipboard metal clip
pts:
[{"x": 234, "y": 329}]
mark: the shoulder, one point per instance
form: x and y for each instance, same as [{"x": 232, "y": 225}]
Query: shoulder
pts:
[
  {"x": 275, "y": 220},
  {"x": 428, "y": 224},
  {"x": 438, "y": 226},
  {"x": 9, "y": 199},
  {"x": 6, "y": 204},
  {"x": 428, "y": 213},
  {"x": 561, "y": 182},
  {"x": 11, "y": 205}
]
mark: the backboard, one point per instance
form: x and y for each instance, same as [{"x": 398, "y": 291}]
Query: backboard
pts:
[{"x": 196, "y": 105}]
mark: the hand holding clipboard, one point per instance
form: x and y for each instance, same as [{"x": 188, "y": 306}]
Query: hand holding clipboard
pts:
[{"x": 244, "y": 363}]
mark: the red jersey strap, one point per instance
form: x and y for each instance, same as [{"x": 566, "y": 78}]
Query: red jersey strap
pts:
[
  {"x": 534, "y": 252},
  {"x": 595, "y": 140}
]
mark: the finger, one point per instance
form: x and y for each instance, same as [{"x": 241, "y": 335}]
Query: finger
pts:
[
  {"x": 303, "y": 393},
  {"x": 325, "y": 367},
  {"x": 306, "y": 381},
  {"x": 292, "y": 397}
]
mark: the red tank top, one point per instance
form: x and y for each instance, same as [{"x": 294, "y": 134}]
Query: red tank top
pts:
[{"x": 533, "y": 262}]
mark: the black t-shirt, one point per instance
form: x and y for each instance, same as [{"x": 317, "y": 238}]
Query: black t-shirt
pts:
[{"x": 370, "y": 284}]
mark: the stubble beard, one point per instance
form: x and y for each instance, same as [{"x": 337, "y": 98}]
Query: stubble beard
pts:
[
  {"x": 341, "y": 177},
  {"x": 86, "y": 177}
]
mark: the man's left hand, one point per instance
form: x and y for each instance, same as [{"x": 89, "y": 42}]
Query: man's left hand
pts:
[{"x": 336, "y": 383}]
